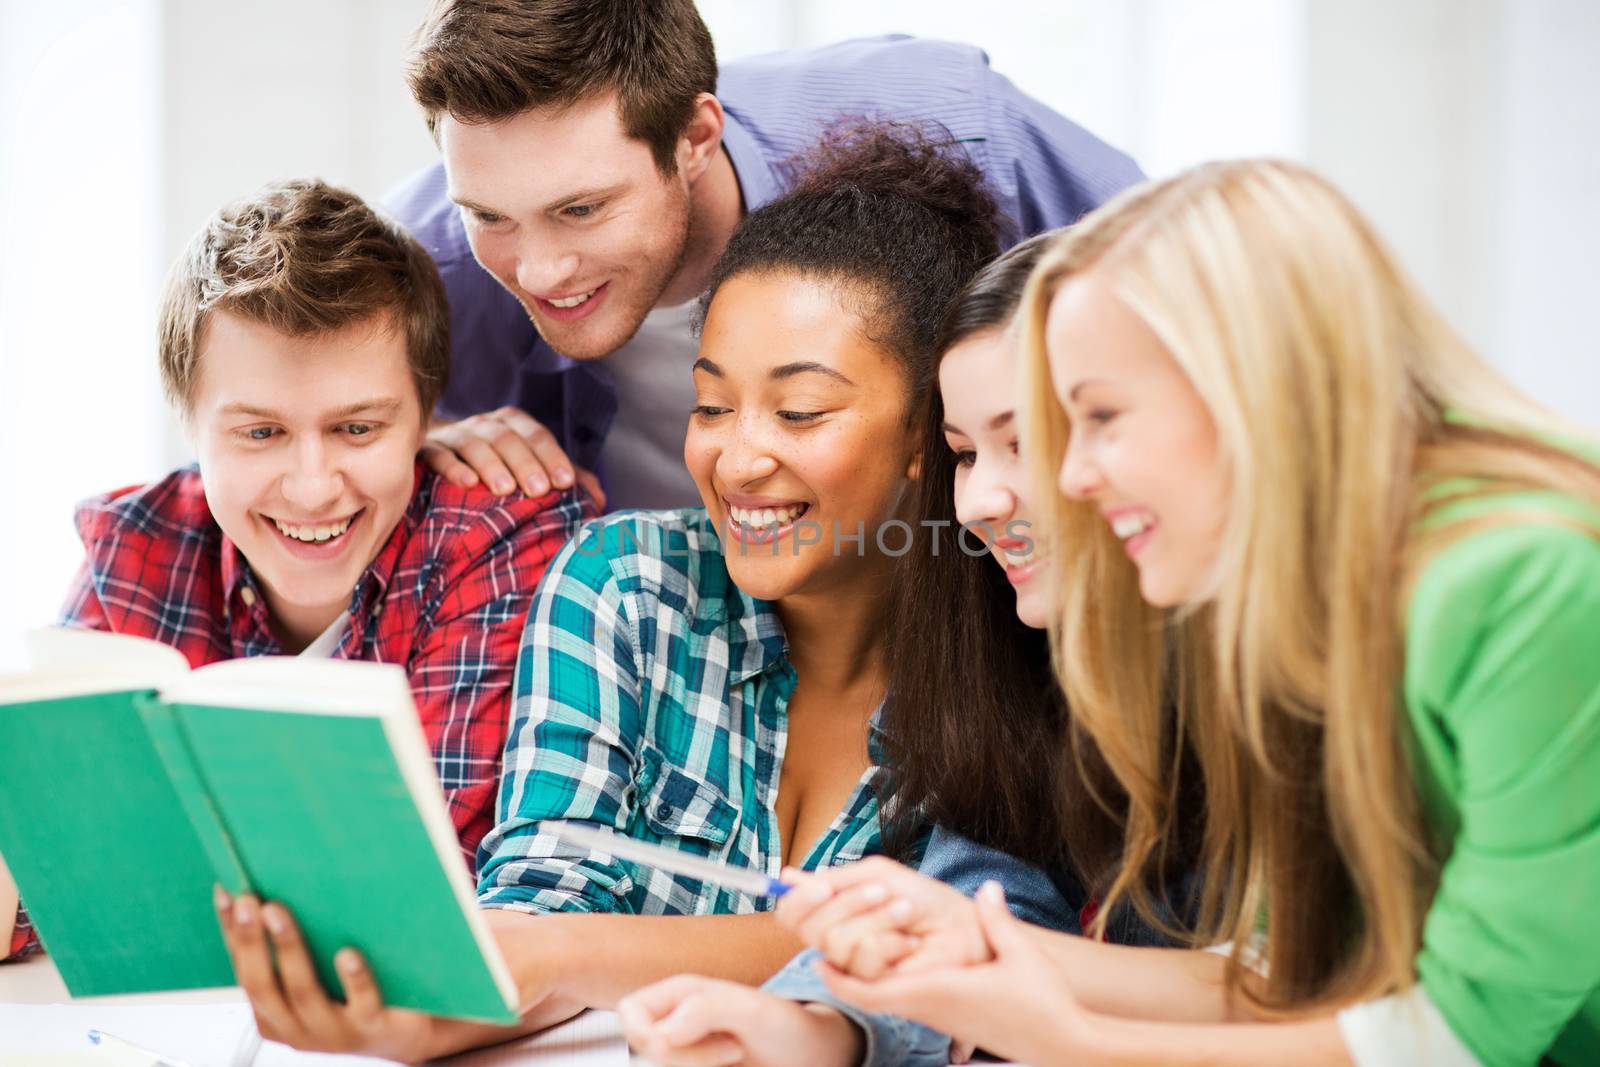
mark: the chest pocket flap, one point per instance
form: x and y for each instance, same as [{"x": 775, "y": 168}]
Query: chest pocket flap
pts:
[{"x": 675, "y": 805}]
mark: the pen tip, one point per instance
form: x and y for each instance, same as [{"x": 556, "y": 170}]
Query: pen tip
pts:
[{"x": 94, "y": 1037}]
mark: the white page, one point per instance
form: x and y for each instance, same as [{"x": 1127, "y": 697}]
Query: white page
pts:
[
  {"x": 593, "y": 1039},
  {"x": 205, "y": 1035},
  {"x": 201, "y": 1035}
]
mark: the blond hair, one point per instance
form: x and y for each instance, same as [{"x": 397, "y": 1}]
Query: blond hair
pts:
[{"x": 1329, "y": 378}]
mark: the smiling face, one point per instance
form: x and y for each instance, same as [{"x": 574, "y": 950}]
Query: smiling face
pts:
[
  {"x": 799, "y": 434},
  {"x": 572, "y": 216},
  {"x": 307, "y": 449},
  {"x": 977, "y": 383},
  {"x": 1143, "y": 447}
]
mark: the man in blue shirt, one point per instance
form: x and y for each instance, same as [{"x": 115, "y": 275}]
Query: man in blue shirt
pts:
[{"x": 594, "y": 163}]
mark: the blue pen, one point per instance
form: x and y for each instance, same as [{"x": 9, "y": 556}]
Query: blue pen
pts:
[
  {"x": 670, "y": 860},
  {"x": 110, "y": 1041}
]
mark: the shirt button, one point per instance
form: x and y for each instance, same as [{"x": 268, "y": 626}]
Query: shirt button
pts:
[
  {"x": 248, "y": 595},
  {"x": 377, "y": 609},
  {"x": 663, "y": 810}
]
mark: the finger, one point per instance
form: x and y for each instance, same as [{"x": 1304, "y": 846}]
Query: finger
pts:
[
  {"x": 589, "y": 482},
  {"x": 481, "y": 456},
  {"x": 692, "y": 1032},
  {"x": 807, "y": 893},
  {"x": 879, "y": 952},
  {"x": 298, "y": 977},
  {"x": 657, "y": 1000},
  {"x": 547, "y": 451},
  {"x": 363, "y": 1002},
  {"x": 1006, "y": 934},
  {"x": 522, "y": 463},
  {"x": 522, "y": 469},
  {"x": 842, "y": 906},
  {"x": 252, "y": 966},
  {"x": 850, "y": 944},
  {"x": 932, "y": 999},
  {"x": 900, "y": 878},
  {"x": 705, "y": 1013},
  {"x": 223, "y": 902},
  {"x": 719, "y": 1050},
  {"x": 552, "y": 460},
  {"x": 938, "y": 954},
  {"x": 442, "y": 459},
  {"x": 961, "y": 1051}
]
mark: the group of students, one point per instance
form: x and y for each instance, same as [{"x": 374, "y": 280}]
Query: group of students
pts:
[{"x": 1162, "y": 642}]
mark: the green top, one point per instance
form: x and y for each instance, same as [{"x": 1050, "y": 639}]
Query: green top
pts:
[{"x": 1502, "y": 690}]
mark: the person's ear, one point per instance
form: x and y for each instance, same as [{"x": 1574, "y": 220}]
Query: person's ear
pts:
[
  {"x": 701, "y": 139},
  {"x": 914, "y": 468}
]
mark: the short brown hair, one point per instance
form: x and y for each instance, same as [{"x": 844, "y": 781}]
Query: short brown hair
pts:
[
  {"x": 487, "y": 60},
  {"x": 304, "y": 257}
]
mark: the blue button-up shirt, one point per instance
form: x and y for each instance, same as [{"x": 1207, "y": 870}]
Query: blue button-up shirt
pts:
[{"x": 1044, "y": 170}]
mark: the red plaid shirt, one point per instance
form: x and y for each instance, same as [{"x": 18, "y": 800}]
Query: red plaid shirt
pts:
[{"x": 446, "y": 597}]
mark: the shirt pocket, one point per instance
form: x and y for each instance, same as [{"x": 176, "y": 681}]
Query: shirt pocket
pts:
[{"x": 693, "y": 815}]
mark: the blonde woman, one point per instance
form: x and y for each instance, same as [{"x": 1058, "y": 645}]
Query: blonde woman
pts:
[{"x": 1369, "y": 572}]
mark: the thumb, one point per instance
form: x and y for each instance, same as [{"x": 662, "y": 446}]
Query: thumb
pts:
[{"x": 1001, "y": 929}]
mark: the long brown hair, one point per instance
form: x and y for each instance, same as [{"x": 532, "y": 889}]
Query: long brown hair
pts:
[
  {"x": 1341, "y": 401},
  {"x": 977, "y": 731}
]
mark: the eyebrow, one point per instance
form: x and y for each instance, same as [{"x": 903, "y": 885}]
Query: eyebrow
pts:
[
  {"x": 1003, "y": 419},
  {"x": 789, "y": 370},
  {"x": 579, "y": 197},
  {"x": 1072, "y": 394},
  {"x": 378, "y": 406}
]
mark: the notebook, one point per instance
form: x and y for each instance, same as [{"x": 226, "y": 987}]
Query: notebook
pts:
[{"x": 132, "y": 785}]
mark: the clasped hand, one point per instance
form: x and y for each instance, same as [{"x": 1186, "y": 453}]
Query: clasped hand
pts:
[{"x": 892, "y": 941}]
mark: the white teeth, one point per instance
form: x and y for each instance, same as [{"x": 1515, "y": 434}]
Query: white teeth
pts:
[
  {"x": 1131, "y": 525},
  {"x": 762, "y": 518},
  {"x": 313, "y": 533},
  {"x": 572, "y": 301}
]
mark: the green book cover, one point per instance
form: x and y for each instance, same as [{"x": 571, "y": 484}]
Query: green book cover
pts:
[{"x": 306, "y": 781}]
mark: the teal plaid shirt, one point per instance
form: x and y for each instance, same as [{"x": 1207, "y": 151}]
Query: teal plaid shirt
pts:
[{"x": 651, "y": 698}]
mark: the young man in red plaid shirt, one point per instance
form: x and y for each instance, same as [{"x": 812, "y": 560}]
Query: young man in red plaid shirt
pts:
[{"x": 304, "y": 339}]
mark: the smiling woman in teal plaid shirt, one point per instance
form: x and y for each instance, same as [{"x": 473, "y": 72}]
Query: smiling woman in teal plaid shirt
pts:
[{"x": 652, "y": 697}]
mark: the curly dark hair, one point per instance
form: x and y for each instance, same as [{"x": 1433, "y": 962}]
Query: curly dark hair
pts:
[{"x": 894, "y": 214}]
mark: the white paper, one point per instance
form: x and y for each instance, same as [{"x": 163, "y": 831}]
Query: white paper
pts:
[{"x": 205, "y": 1035}]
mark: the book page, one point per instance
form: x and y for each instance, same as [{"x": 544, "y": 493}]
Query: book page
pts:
[
  {"x": 64, "y": 663},
  {"x": 290, "y": 683}
]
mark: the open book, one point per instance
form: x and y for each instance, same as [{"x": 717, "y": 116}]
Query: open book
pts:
[{"x": 130, "y": 785}]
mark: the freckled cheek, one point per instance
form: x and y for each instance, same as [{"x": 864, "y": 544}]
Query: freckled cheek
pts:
[{"x": 700, "y": 453}]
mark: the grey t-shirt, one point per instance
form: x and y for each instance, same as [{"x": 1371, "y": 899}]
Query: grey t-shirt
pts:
[{"x": 643, "y": 452}]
